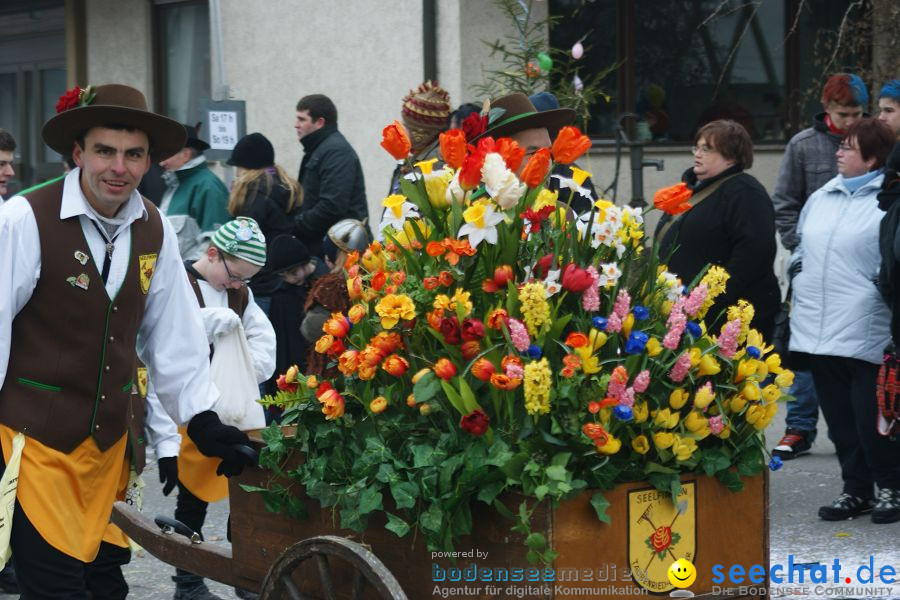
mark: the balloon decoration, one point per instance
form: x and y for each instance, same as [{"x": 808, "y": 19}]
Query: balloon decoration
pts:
[
  {"x": 544, "y": 61},
  {"x": 532, "y": 70},
  {"x": 578, "y": 84},
  {"x": 577, "y": 50}
]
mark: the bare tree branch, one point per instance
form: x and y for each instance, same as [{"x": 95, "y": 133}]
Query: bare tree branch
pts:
[
  {"x": 726, "y": 68},
  {"x": 725, "y": 14},
  {"x": 796, "y": 20},
  {"x": 837, "y": 45}
]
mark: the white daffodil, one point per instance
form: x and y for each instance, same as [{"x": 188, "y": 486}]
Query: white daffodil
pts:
[
  {"x": 609, "y": 275},
  {"x": 455, "y": 192},
  {"x": 672, "y": 284},
  {"x": 500, "y": 183},
  {"x": 398, "y": 210},
  {"x": 481, "y": 224},
  {"x": 575, "y": 182}
]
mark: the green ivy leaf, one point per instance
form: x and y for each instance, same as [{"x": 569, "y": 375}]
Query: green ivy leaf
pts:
[
  {"x": 713, "y": 461},
  {"x": 370, "y": 499},
  {"x": 600, "y": 504},
  {"x": 731, "y": 480},
  {"x": 489, "y": 492},
  {"x": 397, "y": 525},
  {"x": 404, "y": 494},
  {"x": 556, "y": 473},
  {"x": 536, "y": 541},
  {"x": 432, "y": 519}
]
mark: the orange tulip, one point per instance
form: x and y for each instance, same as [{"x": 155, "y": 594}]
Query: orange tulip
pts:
[
  {"x": 503, "y": 382},
  {"x": 356, "y": 313},
  {"x": 429, "y": 283},
  {"x": 453, "y": 147},
  {"x": 395, "y": 140},
  {"x": 483, "y": 369},
  {"x": 576, "y": 340},
  {"x": 348, "y": 362},
  {"x": 511, "y": 152},
  {"x": 338, "y": 325},
  {"x": 470, "y": 349},
  {"x": 378, "y": 404},
  {"x": 395, "y": 365},
  {"x": 445, "y": 278},
  {"x": 444, "y": 369},
  {"x": 673, "y": 199},
  {"x": 536, "y": 168},
  {"x": 497, "y": 318},
  {"x": 570, "y": 143},
  {"x": 387, "y": 342},
  {"x": 378, "y": 280}
]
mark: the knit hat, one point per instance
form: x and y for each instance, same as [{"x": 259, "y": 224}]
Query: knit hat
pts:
[
  {"x": 425, "y": 113},
  {"x": 242, "y": 239},
  {"x": 193, "y": 137},
  {"x": 253, "y": 151},
  {"x": 285, "y": 253}
]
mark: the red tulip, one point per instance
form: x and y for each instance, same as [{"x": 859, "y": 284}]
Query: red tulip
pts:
[
  {"x": 475, "y": 423},
  {"x": 575, "y": 279}
]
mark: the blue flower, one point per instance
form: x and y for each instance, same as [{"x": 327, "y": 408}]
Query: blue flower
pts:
[
  {"x": 623, "y": 413},
  {"x": 776, "y": 463},
  {"x": 694, "y": 329},
  {"x": 599, "y": 323},
  {"x": 636, "y": 342},
  {"x": 534, "y": 351},
  {"x": 753, "y": 352},
  {"x": 640, "y": 312}
]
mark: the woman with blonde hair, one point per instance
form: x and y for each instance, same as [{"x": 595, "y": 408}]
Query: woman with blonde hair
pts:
[{"x": 264, "y": 192}]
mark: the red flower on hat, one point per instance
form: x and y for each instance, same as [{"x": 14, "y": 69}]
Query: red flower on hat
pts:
[
  {"x": 474, "y": 125},
  {"x": 70, "y": 99}
]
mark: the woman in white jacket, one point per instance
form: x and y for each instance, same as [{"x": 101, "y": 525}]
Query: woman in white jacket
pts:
[{"x": 840, "y": 324}]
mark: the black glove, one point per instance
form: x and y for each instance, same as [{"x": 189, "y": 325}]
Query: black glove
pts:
[
  {"x": 794, "y": 270},
  {"x": 168, "y": 473},
  {"x": 216, "y": 439}
]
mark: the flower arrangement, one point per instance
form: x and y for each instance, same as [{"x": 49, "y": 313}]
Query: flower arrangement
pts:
[{"x": 499, "y": 342}]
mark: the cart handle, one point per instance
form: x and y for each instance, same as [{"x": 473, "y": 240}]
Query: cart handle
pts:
[
  {"x": 169, "y": 526},
  {"x": 249, "y": 453}
]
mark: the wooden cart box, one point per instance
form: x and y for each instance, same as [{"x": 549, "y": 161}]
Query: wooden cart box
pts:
[{"x": 714, "y": 527}]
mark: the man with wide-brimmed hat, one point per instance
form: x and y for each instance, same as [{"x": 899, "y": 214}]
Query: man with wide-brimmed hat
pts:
[
  {"x": 90, "y": 271},
  {"x": 515, "y": 116},
  {"x": 196, "y": 201}
]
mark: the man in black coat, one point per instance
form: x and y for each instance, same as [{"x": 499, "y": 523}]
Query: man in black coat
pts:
[{"x": 330, "y": 173}]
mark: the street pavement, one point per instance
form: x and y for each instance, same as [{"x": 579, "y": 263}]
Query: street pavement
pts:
[{"x": 796, "y": 492}]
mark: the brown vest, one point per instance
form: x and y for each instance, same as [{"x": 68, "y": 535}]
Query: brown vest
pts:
[{"x": 72, "y": 359}]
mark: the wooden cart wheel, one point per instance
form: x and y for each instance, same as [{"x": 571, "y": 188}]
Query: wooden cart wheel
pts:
[{"x": 345, "y": 570}]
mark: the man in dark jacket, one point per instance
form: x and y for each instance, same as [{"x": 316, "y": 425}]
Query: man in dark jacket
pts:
[
  {"x": 330, "y": 173},
  {"x": 809, "y": 163}
]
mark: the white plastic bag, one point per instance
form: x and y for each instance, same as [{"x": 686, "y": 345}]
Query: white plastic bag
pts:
[
  {"x": 233, "y": 374},
  {"x": 8, "y": 485}
]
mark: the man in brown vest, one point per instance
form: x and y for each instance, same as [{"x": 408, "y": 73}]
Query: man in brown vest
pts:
[{"x": 89, "y": 271}]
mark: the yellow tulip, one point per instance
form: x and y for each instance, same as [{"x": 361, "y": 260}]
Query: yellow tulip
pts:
[
  {"x": 663, "y": 439},
  {"x": 640, "y": 412},
  {"x": 773, "y": 361},
  {"x": 666, "y": 308},
  {"x": 785, "y": 379},
  {"x": 771, "y": 393},
  {"x": 754, "y": 413},
  {"x": 683, "y": 448},
  {"x": 598, "y": 339},
  {"x": 738, "y": 402},
  {"x": 666, "y": 418},
  {"x": 695, "y": 357},
  {"x": 641, "y": 444},
  {"x": 704, "y": 396},
  {"x": 612, "y": 445},
  {"x": 745, "y": 369},
  {"x": 695, "y": 421},
  {"x": 678, "y": 398},
  {"x": 708, "y": 365},
  {"x": 653, "y": 347},
  {"x": 750, "y": 391},
  {"x": 726, "y": 431},
  {"x": 627, "y": 324}
]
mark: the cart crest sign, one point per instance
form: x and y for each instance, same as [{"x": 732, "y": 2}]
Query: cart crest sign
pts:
[{"x": 659, "y": 533}]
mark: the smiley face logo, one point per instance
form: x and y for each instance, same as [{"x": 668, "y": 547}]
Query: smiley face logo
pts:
[{"x": 682, "y": 573}]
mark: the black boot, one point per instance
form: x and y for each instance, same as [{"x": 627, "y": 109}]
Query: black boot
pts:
[
  {"x": 191, "y": 587},
  {"x": 8, "y": 582}
]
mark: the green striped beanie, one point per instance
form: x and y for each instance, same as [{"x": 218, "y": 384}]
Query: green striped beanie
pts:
[{"x": 242, "y": 239}]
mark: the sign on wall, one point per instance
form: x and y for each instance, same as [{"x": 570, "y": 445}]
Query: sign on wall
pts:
[{"x": 224, "y": 123}]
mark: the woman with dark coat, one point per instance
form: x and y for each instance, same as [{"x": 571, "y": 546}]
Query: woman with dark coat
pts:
[
  {"x": 265, "y": 193},
  {"x": 733, "y": 226}
]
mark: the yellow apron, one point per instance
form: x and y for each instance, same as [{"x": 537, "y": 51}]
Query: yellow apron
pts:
[
  {"x": 197, "y": 472},
  {"x": 68, "y": 497}
]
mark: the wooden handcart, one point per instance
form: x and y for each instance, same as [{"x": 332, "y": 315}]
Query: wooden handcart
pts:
[{"x": 281, "y": 557}]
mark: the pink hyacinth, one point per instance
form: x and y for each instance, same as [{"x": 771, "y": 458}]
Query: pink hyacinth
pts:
[
  {"x": 716, "y": 424},
  {"x": 676, "y": 324},
  {"x": 728, "y": 340},
  {"x": 514, "y": 371},
  {"x": 590, "y": 299},
  {"x": 627, "y": 398},
  {"x": 518, "y": 333},
  {"x": 642, "y": 381},
  {"x": 681, "y": 367},
  {"x": 622, "y": 305},
  {"x": 696, "y": 299},
  {"x": 617, "y": 383},
  {"x": 614, "y": 323}
]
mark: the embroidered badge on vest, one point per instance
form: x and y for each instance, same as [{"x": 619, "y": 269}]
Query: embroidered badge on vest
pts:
[
  {"x": 142, "y": 381},
  {"x": 82, "y": 281},
  {"x": 147, "y": 264},
  {"x": 81, "y": 257}
]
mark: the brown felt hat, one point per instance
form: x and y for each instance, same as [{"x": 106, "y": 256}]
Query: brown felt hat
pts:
[
  {"x": 515, "y": 112},
  {"x": 111, "y": 104}
]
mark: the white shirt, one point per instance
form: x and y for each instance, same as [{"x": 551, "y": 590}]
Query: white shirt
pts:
[
  {"x": 171, "y": 339},
  {"x": 163, "y": 432}
]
